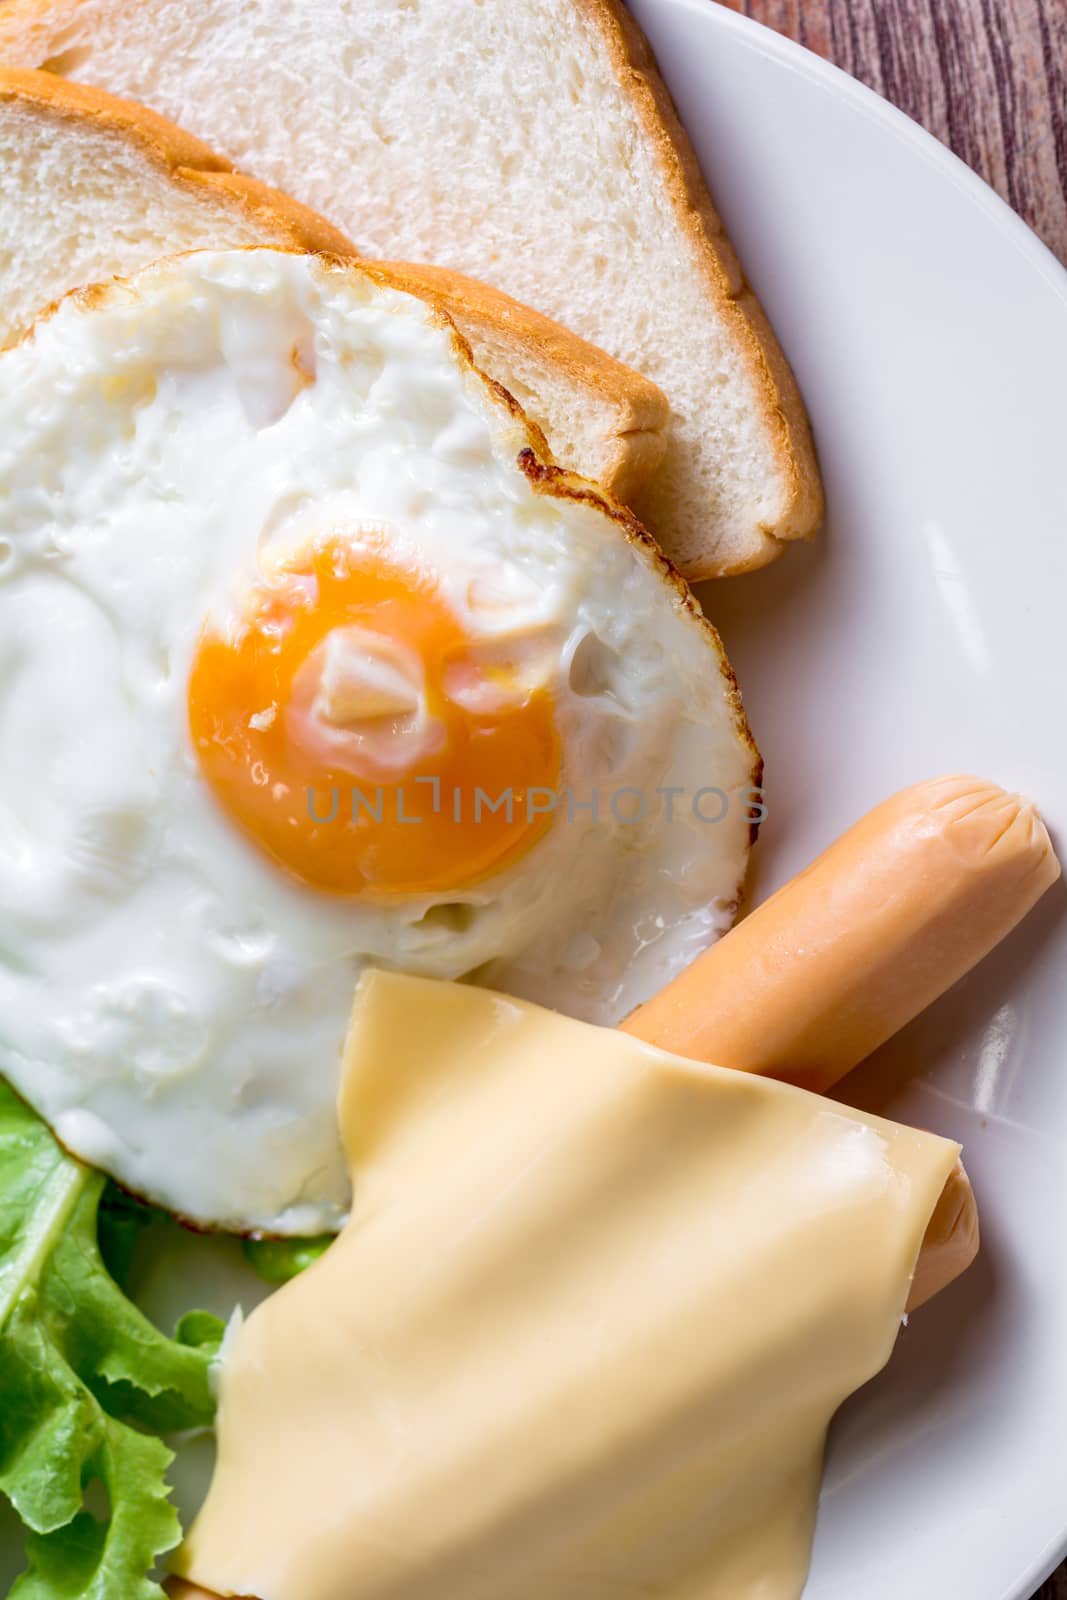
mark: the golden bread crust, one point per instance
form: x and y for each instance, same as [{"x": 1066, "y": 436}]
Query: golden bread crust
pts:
[
  {"x": 296, "y": 225},
  {"x": 640, "y": 409},
  {"x": 176, "y": 154},
  {"x": 62, "y": 97}
]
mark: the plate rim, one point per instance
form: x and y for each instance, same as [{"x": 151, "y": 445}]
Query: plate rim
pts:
[
  {"x": 858, "y": 98},
  {"x": 841, "y": 85}
]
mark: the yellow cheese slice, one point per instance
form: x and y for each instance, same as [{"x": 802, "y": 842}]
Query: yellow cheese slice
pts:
[{"x": 583, "y": 1334}]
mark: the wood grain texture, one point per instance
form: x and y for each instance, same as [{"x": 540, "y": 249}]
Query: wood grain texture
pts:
[{"x": 989, "y": 79}]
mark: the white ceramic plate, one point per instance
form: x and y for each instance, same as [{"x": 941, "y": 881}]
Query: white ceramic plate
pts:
[{"x": 924, "y": 632}]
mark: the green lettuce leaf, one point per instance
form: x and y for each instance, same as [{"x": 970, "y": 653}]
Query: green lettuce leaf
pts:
[
  {"x": 82, "y": 1374},
  {"x": 278, "y": 1260},
  {"x": 119, "y": 1224}
]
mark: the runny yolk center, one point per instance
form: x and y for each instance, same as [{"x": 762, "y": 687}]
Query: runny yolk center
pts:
[{"x": 361, "y": 738}]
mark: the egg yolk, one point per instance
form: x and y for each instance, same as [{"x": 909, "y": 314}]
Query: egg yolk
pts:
[{"x": 361, "y": 738}]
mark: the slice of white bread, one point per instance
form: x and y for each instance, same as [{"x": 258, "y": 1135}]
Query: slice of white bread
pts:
[
  {"x": 91, "y": 187},
  {"x": 532, "y": 145}
]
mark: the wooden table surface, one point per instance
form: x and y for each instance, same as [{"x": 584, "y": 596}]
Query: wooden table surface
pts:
[{"x": 989, "y": 78}]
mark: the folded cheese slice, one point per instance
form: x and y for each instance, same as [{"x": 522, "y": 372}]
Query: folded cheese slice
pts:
[{"x": 583, "y": 1334}]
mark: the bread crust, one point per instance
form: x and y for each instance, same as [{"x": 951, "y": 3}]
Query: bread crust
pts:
[
  {"x": 634, "y": 444},
  {"x": 781, "y": 404},
  {"x": 640, "y": 410},
  {"x": 176, "y": 154}
]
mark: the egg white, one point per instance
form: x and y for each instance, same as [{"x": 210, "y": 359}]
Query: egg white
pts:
[{"x": 171, "y": 1002}]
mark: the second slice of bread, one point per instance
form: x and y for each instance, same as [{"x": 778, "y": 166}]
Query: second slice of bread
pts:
[
  {"x": 92, "y": 187},
  {"x": 529, "y": 143}
]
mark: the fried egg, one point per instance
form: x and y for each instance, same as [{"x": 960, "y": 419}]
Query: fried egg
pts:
[{"x": 310, "y": 659}]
